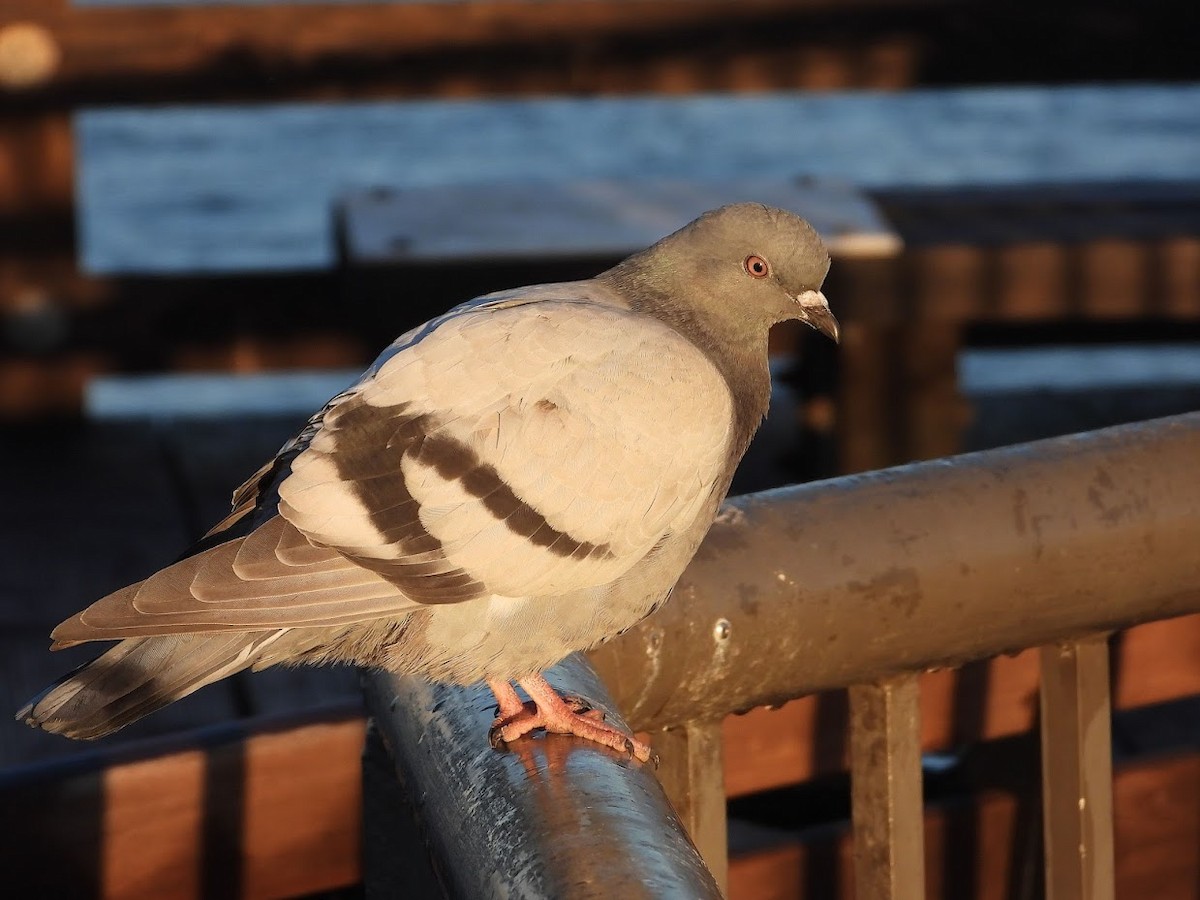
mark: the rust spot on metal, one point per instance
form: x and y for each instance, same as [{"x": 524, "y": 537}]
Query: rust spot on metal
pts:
[
  {"x": 748, "y": 598},
  {"x": 654, "y": 640},
  {"x": 726, "y": 536},
  {"x": 1020, "y": 506},
  {"x": 899, "y": 587},
  {"x": 1114, "y": 508}
]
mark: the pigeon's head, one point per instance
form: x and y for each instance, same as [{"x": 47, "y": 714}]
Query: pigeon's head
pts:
[
  {"x": 741, "y": 268},
  {"x": 768, "y": 262}
]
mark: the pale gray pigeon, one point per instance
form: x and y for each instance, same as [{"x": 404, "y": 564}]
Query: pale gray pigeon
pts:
[{"x": 524, "y": 477}]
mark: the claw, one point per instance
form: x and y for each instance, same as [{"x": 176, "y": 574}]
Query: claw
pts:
[
  {"x": 495, "y": 738},
  {"x": 562, "y": 715}
]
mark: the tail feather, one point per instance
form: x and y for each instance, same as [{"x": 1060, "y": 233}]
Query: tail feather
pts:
[{"x": 137, "y": 677}]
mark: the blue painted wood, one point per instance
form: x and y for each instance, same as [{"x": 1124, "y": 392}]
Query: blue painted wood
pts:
[
  {"x": 220, "y": 189},
  {"x": 599, "y": 220},
  {"x": 213, "y": 395}
]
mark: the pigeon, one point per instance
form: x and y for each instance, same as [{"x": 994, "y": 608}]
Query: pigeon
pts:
[{"x": 524, "y": 477}]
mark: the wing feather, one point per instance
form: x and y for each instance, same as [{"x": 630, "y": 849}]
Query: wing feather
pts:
[
  {"x": 543, "y": 447},
  {"x": 512, "y": 448}
]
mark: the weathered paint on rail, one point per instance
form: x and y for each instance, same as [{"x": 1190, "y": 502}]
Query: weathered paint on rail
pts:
[{"x": 851, "y": 580}]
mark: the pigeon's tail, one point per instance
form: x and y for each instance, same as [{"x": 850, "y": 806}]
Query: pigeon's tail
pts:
[{"x": 137, "y": 677}]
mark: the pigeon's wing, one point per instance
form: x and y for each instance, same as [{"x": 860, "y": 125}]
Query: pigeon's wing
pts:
[
  {"x": 514, "y": 449},
  {"x": 539, "y": 449}
]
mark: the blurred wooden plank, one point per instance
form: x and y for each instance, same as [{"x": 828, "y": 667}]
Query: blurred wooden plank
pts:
[
  {"x": 155, "y": 213},
  {"x": 1179, "y": 272},
  {"x": 1157, "y": 661},
  {"x": 153, "y": 828},
  {"x": 1157, "y": 833},
  {"x": 40, "y": 285},
  {"x": 869, "y": 426},
  {"x": 585, "y": 219},
  {"x": 1063, "y": 369},
  {"x": 1031, "y": 281},
  {"x": 215, "y": 396},
  {"x": 303, "y": 810},
  {"x": 1058, "y": 253},
  {"x": 279, "y": 809},
  {"x": 36, "y": 165},
  {"x": 897, "y": 396},
  {"x": 934, "y": 412},
  {"x": 1121, "y": 249},
  {"x": 195, "y": 46},
  {"x": 61, "y": 328},
  {"x": 32, "y": 387},
  {"x": 1157, "y": 821},
  {"x": 765, "y": 748},
  {"x": 1070, "y": 211}
]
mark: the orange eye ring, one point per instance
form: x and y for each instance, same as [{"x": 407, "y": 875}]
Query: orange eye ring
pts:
[{"x": 756, "y": 266}]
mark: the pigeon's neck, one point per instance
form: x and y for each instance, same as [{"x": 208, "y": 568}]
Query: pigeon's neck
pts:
[{"x": 740, "y": 358}]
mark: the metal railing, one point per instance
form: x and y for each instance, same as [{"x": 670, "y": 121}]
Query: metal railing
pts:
[
  {"x": 860, "y": 582},
  {"x": 550, "y": 818}
]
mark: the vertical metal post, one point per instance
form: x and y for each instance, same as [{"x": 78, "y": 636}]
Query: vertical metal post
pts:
[
  {"x": 692, "y": 772},
  {"x": 885, "y": 770},
  {"x": 1077, "y": 770}
]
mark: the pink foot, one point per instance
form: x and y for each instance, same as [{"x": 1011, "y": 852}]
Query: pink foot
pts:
[{"x": 548, "y": 710}]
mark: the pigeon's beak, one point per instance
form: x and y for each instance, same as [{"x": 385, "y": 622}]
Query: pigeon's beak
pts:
[{"x": 814, "y": 309}]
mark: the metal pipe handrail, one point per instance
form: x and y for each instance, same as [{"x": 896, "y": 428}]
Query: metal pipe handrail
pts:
[
  {"x": 848, "y": 581},
  {"x": 548, "y": 817}
]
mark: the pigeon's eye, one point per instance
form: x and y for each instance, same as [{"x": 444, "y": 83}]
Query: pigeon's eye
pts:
[{"x": 756, "y": 267}]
